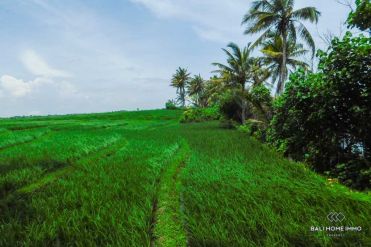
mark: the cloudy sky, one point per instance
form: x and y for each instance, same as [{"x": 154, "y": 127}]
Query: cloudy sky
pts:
[{"x": 77, "y": 56}]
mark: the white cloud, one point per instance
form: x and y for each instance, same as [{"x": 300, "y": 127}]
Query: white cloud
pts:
[
  {"x": 46, "y": 79},
  {"x": 39, "y": 67},
  {"x": 214, "y": 20},
  {"x": 15, "y": 87},
  {"x": 11, "y": 86}
]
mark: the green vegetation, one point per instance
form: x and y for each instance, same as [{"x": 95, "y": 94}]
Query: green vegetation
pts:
[
  {"x": 200, "y": 114},
  {"x": 278, "y": 17},
  {"x": 175, "y": 177},
  {"x": 322, "y": 117},
  {"x": 179, "y": 81},
  {"x": 171, "y": 105},
  {"x": 142, "y": 179},
  {"x": 361, "y": 17}
]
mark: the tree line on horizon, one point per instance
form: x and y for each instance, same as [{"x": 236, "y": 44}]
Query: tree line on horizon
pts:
[{"x": 319, "y": 117}]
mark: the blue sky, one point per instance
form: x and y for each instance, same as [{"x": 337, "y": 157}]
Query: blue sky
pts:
[{"x": 77, "y": 56}]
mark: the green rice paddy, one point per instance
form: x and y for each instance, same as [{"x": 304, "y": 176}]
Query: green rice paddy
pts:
[{"x": 142, "y": 179}]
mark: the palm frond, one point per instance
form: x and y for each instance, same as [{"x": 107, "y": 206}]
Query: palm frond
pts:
[
  {"x": 307, "y": 37},
  {"x": 308, "y": 14}
]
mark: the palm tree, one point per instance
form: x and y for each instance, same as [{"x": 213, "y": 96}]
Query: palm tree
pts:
[
  {"x": 179, "y": 81},
  {"x": 196, "y": 89},
  {"x": 237, "y": 72},
  {"x": 238, "y": 68},
  {"x": 272, "y": 50},
  {"x": 259, "y": 72},
  {"x": 279, "y": 17}
]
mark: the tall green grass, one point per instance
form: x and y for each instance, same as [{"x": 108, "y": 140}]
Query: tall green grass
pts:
[
  {"x": 240, "y": 193},
  {"x": 142, "y": 179}
]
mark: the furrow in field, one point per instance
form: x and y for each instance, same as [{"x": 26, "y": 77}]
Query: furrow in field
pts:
[
  {"x": 168, "y": 224},
  {"x": 78, "y": 164},
  {"x": 19, "y": 128}
]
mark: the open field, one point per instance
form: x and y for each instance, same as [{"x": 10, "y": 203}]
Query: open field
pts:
[{"x": 143, "y": 179}]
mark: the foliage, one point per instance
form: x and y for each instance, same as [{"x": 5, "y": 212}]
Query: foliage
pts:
[
  {"x": 255, "y": 128},
  {"x": 171, "y": 105},
  {"x": 324, "y": 118},
  {"x": 238, "y": 70},
  {"x": 361, "y": 17},
  {"x": 280, "y": 18},
  {"x": 272, "y": 56},
  {"x": 214, "y": 88},
  {"x": 196, "y": 90},
  {"x": 258, "y": 104},
  {"x": 232, "y": 103},
  {"x": 239, "y": 76},
  {"x": 179, "y": 81},
  {"x": 355, "y": 173},
  {"x": 200, "y": 114},
  {"x": 262, "y": 103}
]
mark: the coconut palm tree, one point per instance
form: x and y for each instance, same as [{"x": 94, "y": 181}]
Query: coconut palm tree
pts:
[
  {"x": 272, "y": 50},
  {"x": 238, "y": 68},
  {"x": 179, "y": 81},
  {"x": 279, "y": 17},
  {"x": 238, "y": 73},
  {"x": 196, "y": 90}
]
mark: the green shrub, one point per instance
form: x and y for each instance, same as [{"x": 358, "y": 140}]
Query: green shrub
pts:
[
  {"x": 257, "y": 103},
  {"x": 171, "y": 105},
  {"x": 200, "y": 114},
  {"x": 324, "y": 118},
  {"x": 262, "y": 101},
  {"x": 231, "y": 103},
  {"x": 254, "y": 128},
  {"x": 355, "y": 173},
  {"x": 361, "y": 17}
]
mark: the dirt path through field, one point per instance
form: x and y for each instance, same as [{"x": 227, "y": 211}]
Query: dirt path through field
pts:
[{"x": 168, "y": 224}]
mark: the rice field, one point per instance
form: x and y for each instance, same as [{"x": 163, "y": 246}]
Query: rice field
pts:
[{"x": 142, "y": 179}]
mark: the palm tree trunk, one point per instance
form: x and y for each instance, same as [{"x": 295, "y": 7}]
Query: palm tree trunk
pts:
[
  {"x": 182, "y": 92},
  {"x": 244, "y": 105},
  {"x": 283, "y": 75},
  {"x": 243, "y": 112}
]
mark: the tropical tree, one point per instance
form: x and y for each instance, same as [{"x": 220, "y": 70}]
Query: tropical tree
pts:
[
  {"x": 259, "y": 73},
  {"x": 272, "y": 50},
  {"x": 324, "y": 118},
  {"x": 361, "y": 17},
  {"x": 237, "y": 73},
  {"x": 238, "y": 68},
  {"x": 279, "y": 17},
  {"x": 237, "y": 81},
  {"x": 214, "y": 88},
  {"x": 196, "y": 90},
  {"x": 179, "y": 81}
]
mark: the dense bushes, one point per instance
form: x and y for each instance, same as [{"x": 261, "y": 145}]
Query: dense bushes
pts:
[
  {"x": 231, "y": 106},
  {"x": 324, "y": 118},
  {"x": 257, "y": 103},
  {"x": 200, "y": 114},
  {"x": 171, "y": 105},
  {"x": 254, "y": 128}
]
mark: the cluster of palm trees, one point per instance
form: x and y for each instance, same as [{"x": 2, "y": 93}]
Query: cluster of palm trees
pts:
[
  {"x": 281, "y": 25},
  {"x": 281, "y": 28},
  {"x": 193, "y": 87}
]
